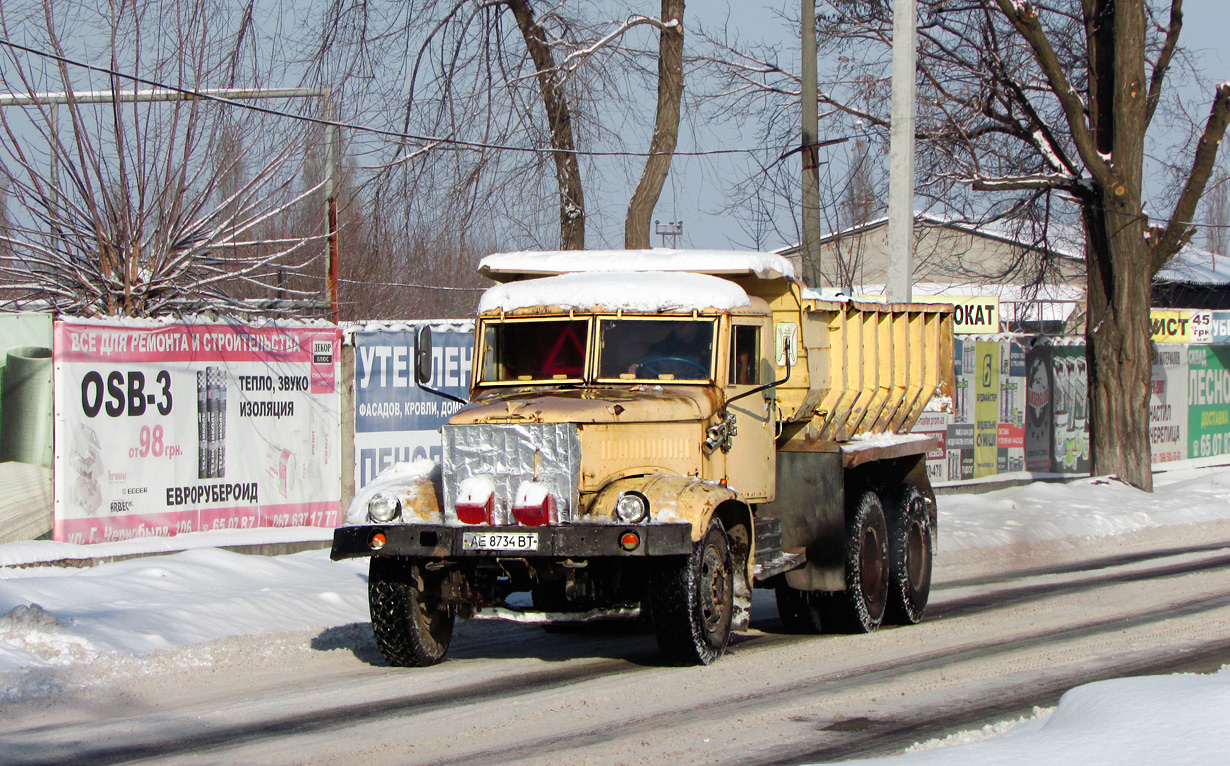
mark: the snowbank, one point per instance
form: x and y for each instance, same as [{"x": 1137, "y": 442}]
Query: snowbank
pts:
[{"x": 1149, "y": 720}]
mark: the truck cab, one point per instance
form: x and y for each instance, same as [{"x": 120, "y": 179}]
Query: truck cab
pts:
[{"x": 619, "y": 458}]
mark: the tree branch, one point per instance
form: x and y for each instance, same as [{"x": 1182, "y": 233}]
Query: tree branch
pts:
[
  {"x": 1163, "y": 60},
  {"x": 1179, "y": 229},
  {"x": 1024, "y": 18}
]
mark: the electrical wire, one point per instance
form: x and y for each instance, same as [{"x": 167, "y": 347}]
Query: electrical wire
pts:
[
  {"x": 410, "y": 284},
  {"x": 189, "y": 93}
]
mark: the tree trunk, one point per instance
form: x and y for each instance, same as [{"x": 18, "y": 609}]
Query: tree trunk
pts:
[
  {"x": 665, "y": 130},
  {"x": 559, "y": 119},
  {"x": 1119, "y": 348},
  {"x": 1118, "y": 259}
]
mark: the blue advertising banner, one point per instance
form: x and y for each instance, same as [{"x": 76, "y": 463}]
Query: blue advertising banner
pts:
[{"x": 395, "y": 420}]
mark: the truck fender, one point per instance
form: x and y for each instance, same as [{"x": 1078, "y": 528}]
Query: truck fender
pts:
[
  {"x": 686, "y": 498},
  {"x": 671, "y": 498},
  {"x": 417, "y": 485}
]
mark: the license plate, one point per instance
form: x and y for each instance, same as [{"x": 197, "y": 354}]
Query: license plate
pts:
[{"x": 499, "y": 541}]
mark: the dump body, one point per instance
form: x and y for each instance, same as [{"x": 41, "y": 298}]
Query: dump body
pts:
[{"x": 652, "y": 426}]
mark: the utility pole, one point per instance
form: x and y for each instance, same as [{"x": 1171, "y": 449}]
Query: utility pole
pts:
[
  {"x": 901, "y": 154},
  {"x": 811, "y": 165}
]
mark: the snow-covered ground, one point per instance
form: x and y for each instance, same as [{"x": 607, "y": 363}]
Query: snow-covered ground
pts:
[{"x": 113, "y": 617}]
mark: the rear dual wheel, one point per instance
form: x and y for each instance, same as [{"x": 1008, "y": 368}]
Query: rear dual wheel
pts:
[
  {"x": 861, "y": 606},
  {"x": 911, "y": 556},
  {"x": 801, "y": 611}
]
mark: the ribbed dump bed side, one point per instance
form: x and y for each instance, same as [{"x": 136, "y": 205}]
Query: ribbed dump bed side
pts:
[{"x": 868, "y": 368}]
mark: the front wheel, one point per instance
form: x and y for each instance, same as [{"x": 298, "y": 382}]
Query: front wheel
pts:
[
  {"x": 411, "y": 624},
  {"x": 693, "y": 600}
]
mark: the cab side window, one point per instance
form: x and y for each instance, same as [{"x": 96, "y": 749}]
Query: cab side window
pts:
[{"x": 745, "y": 355}]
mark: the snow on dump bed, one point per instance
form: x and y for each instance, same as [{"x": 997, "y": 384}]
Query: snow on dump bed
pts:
[
  {"x": 881, "y": 441},
  {"x": 629, "y": 290},
  {"x": 763, "y": 265}
]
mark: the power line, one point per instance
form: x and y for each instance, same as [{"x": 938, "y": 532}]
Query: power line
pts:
[
  {"x": 421, "y": 287},
  {"x": 190, "y": 94}
]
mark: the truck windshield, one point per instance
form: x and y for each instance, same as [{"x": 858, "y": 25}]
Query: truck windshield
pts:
[
  {"x": 655, "y": 349},
  {"x": 534, "y": 350}
]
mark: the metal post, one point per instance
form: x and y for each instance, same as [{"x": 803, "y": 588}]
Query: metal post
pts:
[
  {"x": 331, "y": 209},
  {"x": 810, "y": 132},
  {"x": 901, "y": 155},
  {"x": 54, "y": 160}
]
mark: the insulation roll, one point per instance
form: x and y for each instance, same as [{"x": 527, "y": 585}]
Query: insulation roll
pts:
[{"x": 25, "y": 430}]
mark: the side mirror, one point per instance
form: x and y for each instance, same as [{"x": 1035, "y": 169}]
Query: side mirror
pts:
[{"x": 422, "y": 356}]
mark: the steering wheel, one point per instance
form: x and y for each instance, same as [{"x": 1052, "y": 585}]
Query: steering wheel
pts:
[{"x": 648, "y": 365}]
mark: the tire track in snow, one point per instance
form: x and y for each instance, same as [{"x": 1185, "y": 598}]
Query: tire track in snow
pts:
[
  {"x": 155, "y": 739},
  {"x": 851, "y": 678}
]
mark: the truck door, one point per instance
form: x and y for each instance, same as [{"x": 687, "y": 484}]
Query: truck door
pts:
[{"x": 749, "y": 463}]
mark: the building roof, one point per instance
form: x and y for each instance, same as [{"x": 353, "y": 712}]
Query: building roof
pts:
[{"x": 1191, "y": 265}]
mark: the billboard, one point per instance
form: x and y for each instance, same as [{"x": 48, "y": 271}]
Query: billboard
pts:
[
  {"x": 1039, "y": 423},
  {"x": 972, "y": 314},
  {"x": 1010, "y": 437},
  {"x": 25, "y": 426},
  {"x": 986, "y": 408},
  {"x": 165, "y": 428},
  {"x": 1070, "y": 410},
  {"x": 935, "y": 424},
  {"x": 1005, "y": 417},
  {"x": 395, "y": 420},
  {"x": 1168, "y": 405},
  {"x": 1208, "y": 397}
]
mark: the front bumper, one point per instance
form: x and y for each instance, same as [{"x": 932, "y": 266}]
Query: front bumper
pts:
[{"x": 567, "y": 541}]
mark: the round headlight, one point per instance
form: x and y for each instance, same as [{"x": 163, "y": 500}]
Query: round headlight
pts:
[
  {"x": 383, "y": 507},
  {"x": 631, "y": 508}
]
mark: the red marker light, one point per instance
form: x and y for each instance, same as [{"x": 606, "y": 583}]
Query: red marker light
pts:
[
  {"x": 378, "y": 540},
  {"x": 469, "y": 512},
  {"x": 536, "y": 514}
]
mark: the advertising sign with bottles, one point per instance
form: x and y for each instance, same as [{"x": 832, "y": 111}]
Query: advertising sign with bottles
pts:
[
  {"x": 168, "y": 428},
  {"x": 1070, "y": 410}
]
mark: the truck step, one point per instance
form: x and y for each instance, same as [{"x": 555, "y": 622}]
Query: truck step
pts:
[
  {"x": 512, "y": 614},
  {"x": 782, "y": 562},
  {"x": 768, "y": 537}
]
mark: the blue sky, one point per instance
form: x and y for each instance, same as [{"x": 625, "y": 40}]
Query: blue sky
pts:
[{"x": 692, "y": 194}]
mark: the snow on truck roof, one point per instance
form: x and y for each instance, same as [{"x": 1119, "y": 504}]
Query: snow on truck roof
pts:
[
  {"x": 503, "y": 267},
  {"x": 650, "y": 291}
]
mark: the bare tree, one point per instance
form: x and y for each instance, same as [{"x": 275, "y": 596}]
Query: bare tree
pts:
[
  {"x": 860, "y": 200},
  {"x": 502, "y": 101},
  {"x": 1095, "y": 152},
  {"x": 1032, "y": 106},
  {"x": 116, "y": 205},
  {"x": 666, "y": 127}
]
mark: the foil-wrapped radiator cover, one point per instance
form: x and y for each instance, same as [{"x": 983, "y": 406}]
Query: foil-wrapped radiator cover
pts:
[{"x": 549, "y": 453}]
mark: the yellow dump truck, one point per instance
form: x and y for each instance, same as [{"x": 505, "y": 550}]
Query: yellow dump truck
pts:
[{"x": 654, "y": 434}]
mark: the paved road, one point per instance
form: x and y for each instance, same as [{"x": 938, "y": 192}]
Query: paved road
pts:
[{"x": 1008, "y": 629}]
